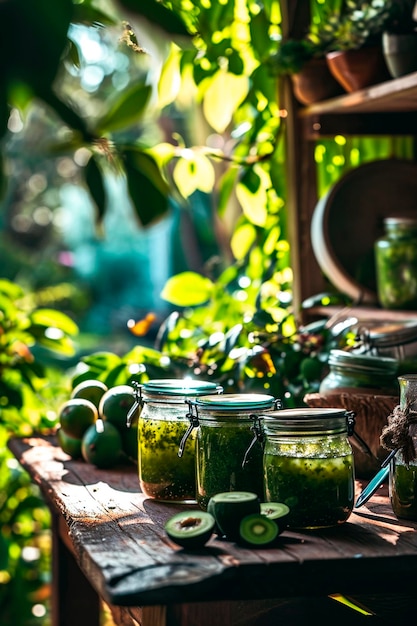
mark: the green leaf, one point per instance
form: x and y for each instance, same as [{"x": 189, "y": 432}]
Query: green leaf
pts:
[
  {"x": 50, "y": 318},
  {"x": 187, "y": 289},
  {"x": 223, "y": 96},
  {"x": 127, "y": 109},
  {"x": 118, "y": 375},
  {"x": 34, "y": 37},
  {"x": 158, "y": 14},
  {"x": 94, "y": 180},
  {"x": 194, "y": 172},
  {"x": 242, "y": 240},
  {"x": 12, "y": 290},
  {"x": 101, "y": 361},
  {"x": 259, "y": 26},
  {"x": 148, "y": 190},
  {"x": 87, "y": 13}
]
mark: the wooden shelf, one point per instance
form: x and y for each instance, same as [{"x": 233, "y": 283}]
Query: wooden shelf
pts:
[
  {"x": 362, "y": 313},
  {"x": 392, "y": 96},
  {"x": 371, "y": 111}
]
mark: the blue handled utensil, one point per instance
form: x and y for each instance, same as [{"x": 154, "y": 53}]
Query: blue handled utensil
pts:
[{"x": 376, "y": 481}]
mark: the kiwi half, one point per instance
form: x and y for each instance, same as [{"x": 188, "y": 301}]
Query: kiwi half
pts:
[
  {"x": 229, "y": 508},
  {"x": 278, "y": 512},
  {"x": 190, "y": 529},
  {"x": 257, "y": 530}
]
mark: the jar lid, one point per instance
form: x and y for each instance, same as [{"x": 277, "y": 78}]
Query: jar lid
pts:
[
  {"x": 388, "y": 334},
  {"x": 400, "y": 221},
  {"x": 303, "y": 421},
  {"x": 180, "y": 387},
  {"x": 235, "y": 402},
  {"x": 364, "y": 362}
]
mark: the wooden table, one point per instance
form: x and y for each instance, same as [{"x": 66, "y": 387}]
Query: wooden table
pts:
[{"x": 109, "y": 544}]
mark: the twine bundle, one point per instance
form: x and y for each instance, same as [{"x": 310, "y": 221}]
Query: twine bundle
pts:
[{"x": 396, "y": 435}]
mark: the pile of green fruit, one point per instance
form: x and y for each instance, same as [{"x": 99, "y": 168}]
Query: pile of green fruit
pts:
[
  {"x": 92, "y": 424},
  {"x": 237, "y": 516}
]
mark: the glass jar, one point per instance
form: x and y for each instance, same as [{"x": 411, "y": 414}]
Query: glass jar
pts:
[
  {"x": 396, "y": 264},
  {"x": 225, "y": 458},
  {"x": 308, "y": 464},
  {"x": 162, "y": 423},
  {"x": 403, "y": 476},
  {"x": 360, "y": 374}
]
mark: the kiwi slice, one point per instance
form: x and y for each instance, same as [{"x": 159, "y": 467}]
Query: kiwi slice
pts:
[
  {"x": 190, "y": 529},
  {"x": 257, "y": 530},
  {"x": 279, "y": 512},
  {"x": 229, "y": 508}
]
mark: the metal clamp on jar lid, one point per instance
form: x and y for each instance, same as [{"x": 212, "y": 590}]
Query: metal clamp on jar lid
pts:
[
  {"x": 169, "y": 390},
  {"x": 397, "y": 340},
  {"x": 305, "y": 421},
  {"x": 360, "y": 373},
  {"x": 229, "y": 406},
  {"x": 308, "y": 421}
]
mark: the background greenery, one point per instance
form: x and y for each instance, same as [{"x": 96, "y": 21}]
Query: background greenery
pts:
[{"x": 136, "y": 140}]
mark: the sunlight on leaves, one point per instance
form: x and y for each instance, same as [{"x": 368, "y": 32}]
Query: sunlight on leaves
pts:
[
  {"x": 192, "y": 173},
  {"x": 224, "y": 94},
  {"x": 187, "y": 289},
  {"x": 242, "y": 240}
]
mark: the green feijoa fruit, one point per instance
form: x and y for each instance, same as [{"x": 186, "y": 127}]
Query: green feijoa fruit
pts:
[
  {"x": 115, "y": 404},
  {"x": 257, "y": 530},
  {"x": 90, "y": 389},
  {"x": 102, "y": 445},
  {"x": 190, "y": 529},
  {"x": 70, "y": 445},
  {"x": 278, "y": 512},
  {"x": 76, "y": 415},
  {"x": 229, "y": 508}
]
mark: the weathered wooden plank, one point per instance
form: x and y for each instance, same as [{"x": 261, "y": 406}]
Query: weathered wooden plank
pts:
[{"x": 118, "y": 537}]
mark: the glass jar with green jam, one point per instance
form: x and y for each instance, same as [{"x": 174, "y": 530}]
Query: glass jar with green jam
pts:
[
  {"x": 225, "y": 458},
  {"x": 403, "y": 476},
  {"x": 396, "y": 264},
  {"x": 360, "y": 374},
  {"x": 162, "y": 423},
  {"x": 308, "y": 464}
]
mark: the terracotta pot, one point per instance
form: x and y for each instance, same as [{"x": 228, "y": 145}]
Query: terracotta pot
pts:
[
  {"x": 315, "y": 82},
  {"x": 356, "y": 69},
  {"x": 400, "y": 53}
]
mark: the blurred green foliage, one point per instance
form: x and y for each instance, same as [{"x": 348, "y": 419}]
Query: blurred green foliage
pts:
[{"x": 30, "y": 395}]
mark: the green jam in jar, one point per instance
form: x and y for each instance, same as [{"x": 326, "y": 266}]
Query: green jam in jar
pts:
[
  {"x": 396, "y": 264},
  {"x": 162, "y": 423},
  {"x": 228, "y": 456},
  {"x": 319, "y": 491},
  {"x": 220, "y": 454},
  {"x": 403, "y": 490},
  {"x": 162, "y": 474},
  {"x": 308, "y": 464}
]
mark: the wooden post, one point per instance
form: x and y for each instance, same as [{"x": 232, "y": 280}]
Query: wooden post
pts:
[
  {"x": 301, "y": 170},
  {"x": 74, "y": 601}
]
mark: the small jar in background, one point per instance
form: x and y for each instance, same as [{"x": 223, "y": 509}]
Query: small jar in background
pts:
[
  {"x": 308, "y": 464},
  {"x": 396, "y": 264},
  {"x": 403, "y": 476},
  {"x": 360, "y": 374}
]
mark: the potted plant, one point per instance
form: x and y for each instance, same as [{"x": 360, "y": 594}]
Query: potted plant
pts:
[
  {"x": 354, "y": 32},
  {"x": 399, "y": 39},
  {"x": 305, "y": 63}
]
